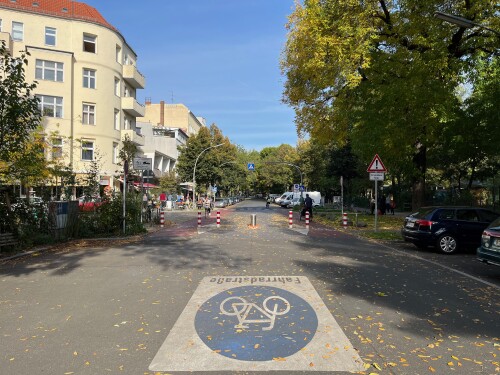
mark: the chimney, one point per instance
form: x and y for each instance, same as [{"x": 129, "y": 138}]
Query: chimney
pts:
[
  {"x": 148, "y": 101},
  {"x": 162, "y": 113}
]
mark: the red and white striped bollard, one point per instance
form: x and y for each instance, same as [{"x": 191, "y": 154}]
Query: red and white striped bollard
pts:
[
  {"x": 344, "y": 219},
  {"x": 307, "y": 219},
  {"x": 290, "y": 219},
  {"x": 162, "y": 219},
  {"x": 199, "y": 219},
  {"x": 218, "y": 219}
]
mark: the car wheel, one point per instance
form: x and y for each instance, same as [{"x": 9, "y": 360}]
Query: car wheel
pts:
[{"x": 447, "y": 244}]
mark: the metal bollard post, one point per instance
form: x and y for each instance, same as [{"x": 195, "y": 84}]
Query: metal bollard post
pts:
[
  {"x": 162, "y": 219},
  {"x": 290, "y": 219},
  {"x": 253, "y": 220},
  {"x": 199, "y": 219},
  {"x": 218, "y": 219},
  {"x": 344, "y": 219},
  {"x": 307, "y": 219}
]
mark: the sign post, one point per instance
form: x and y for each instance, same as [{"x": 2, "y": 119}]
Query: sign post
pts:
[{"x": 376, "y": 170}]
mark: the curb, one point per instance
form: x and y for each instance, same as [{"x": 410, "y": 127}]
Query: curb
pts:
[{"x": 47, "y": 248}]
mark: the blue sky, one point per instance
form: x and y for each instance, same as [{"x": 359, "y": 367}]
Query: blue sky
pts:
[{"x": 218, "y": 57}]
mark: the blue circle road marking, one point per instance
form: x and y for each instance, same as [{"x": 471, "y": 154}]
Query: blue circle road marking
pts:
[{"x": 256, "y": 323}]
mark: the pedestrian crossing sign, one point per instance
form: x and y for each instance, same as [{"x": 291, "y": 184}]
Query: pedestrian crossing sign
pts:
[{"x": 251, "y": 166}]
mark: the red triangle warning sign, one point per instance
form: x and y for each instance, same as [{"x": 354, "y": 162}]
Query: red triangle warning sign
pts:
[{"x": 376, "y": 165}]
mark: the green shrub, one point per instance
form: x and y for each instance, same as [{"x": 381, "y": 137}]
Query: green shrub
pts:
[{"x": 106, "y": 220}]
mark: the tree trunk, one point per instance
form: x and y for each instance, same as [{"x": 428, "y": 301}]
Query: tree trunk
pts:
[{"x": 420, "y": 161}]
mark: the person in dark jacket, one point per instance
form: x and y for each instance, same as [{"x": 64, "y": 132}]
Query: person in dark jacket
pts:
[{"x": 308, "y": 205}]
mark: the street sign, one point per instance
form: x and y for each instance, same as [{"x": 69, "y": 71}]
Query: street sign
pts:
[
  {"x": 143, "y": 164},
  {"x": 376, "y": 176},
  {"x": 251, "y": 166},
  {"x": 376, "y": 165}
]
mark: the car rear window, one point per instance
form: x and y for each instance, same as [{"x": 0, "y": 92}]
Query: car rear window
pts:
[
  {"x": 467, "y": 215},
  {"x": 424, "y": 213},
  {"x": 446, "y": 214}
]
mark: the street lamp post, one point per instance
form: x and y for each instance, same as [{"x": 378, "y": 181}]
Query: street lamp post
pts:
[
  {"x": 194, "y": 170},
  {"x": 462, "y": 22}
]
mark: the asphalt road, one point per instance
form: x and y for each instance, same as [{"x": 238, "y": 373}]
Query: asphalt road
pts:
[{"x": 238, "y": 299}]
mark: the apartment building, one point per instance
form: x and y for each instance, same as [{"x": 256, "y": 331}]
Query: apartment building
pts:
[
  {"x": 161, "y": 144},
  {"x": 165, "y": 127},
  {"x": 87, "y": 80},
  {"x": 172, "y": 116}
]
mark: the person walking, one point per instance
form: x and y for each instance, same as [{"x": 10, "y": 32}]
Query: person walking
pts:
[
  {"x": 308, "y": 205},
  {"x": 208, "y": 206}
]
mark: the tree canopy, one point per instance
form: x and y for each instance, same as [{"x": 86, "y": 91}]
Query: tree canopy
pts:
[
  {"x": 383, "y": 75},
  {"x": 19, "y": 112}
]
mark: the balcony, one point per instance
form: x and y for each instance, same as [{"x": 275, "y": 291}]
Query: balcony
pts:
[
  {"x": 132, "y": 107},
  {"x": 8, "y": 41},
  {"x": 133, "y": 77},
  {"x": 138, "y": 139}
]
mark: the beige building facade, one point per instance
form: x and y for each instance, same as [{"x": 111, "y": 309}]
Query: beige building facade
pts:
[
  {"x": 87, "y": 80},
  {"x": 172, "y": 116}
]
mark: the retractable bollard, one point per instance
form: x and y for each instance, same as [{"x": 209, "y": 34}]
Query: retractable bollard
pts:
[
  {"x": 218, "y": 219},
  {"x": 344, "y": 220},
  {"x": 307, "y": 219},
  {"x": 290, "y": 219},
  {"x": 253, "y": 220},
  {"x": 162, "y": 219},
  {"x": 199, "y": 219}
]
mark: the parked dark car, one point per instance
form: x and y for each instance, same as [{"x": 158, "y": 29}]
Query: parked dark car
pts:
[
  {"x": 447, "y": 228},
  {"x": 489, "y": 251}
]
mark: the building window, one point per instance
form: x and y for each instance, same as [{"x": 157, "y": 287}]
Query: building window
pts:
[
  {"x": 88, "y": 114},
  {"x": 118, "y": 54},
  {"x": 17, "y": 31},
  {"x": 89, "y": 78},
  {"x": 89, "y": 43},
  {"x": 57, "y": 148},
  {"x": 50, "y": 36},
  {"x": 0, "y": 25},
  {"x": 117, "y": 86},
  {"x": 49, "y": 70},
  {"x": 127, "y": 123},
  {"x": 117, "y": 119},
  {"x": 116, "y": 153},
  {"x": 126, "y": 59},
  {"x": 51, "y": 106},
  {"x": 87, "y": 150}
]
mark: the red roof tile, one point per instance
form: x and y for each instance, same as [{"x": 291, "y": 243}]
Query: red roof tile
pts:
[{"x": 59, "y": 8}]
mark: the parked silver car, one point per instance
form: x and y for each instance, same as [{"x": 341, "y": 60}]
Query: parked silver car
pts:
[{"x": 221, "y": 202}]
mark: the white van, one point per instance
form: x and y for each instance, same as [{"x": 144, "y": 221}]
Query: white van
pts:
[
  {"x": 293, "y": 199},
  {"x": 315, "y": 196},
  {"x": 283, "y": 196}
]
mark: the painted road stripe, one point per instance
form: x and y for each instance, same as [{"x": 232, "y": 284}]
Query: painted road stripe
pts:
[{"x": 259, "y": 323}]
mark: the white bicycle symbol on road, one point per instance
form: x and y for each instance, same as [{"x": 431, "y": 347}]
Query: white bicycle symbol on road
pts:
[{"x": 241, "y": 308}]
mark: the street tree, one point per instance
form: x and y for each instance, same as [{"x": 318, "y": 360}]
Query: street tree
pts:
[
  {"x": 382, "y": 75},
  {"x": 276, "y": 169},
  {"x": 207, "y": 162},
  {"x": 170, "y": 183},
  {"x": 19, "y": 112}
]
